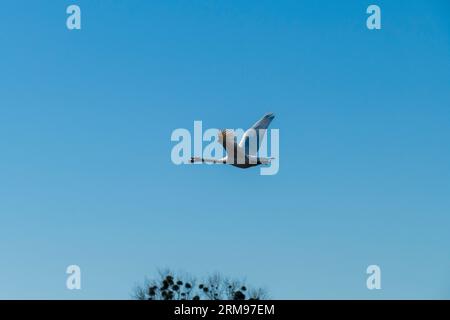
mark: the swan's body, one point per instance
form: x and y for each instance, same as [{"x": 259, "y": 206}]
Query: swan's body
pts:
[{"x": 245, "y": 154}]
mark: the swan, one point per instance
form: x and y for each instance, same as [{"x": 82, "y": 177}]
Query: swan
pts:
[{"x": 243, "y": 154}]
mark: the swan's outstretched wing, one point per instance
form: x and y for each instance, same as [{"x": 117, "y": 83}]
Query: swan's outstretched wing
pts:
[
  {"x": 259, "y": 128},
  {"x": 235, "y": 154},
  {"x": 227, "y": 139}
]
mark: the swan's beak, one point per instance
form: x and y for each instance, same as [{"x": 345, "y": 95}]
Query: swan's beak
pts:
[{"x": 196, "y": 159}]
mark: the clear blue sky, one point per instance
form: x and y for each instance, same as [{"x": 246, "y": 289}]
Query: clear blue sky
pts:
[{"x": 85, "y": 123}]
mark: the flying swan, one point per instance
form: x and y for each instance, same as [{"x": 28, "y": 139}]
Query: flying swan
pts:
[{"x": 245, "y": 154}]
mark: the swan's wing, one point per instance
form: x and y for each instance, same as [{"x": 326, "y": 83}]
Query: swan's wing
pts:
[
  {"x": 259, "y": 128},
  {"x": 227, "y": 139}
]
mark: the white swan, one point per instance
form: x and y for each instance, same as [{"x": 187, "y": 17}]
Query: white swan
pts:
[{"x": 245, "y": 154}]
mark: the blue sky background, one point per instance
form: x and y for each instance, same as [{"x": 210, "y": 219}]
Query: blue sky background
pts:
[{"x": 85, "y": 123}]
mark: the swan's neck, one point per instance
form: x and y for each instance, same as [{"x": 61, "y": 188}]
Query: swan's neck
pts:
[{"x": 208, "y": 160}]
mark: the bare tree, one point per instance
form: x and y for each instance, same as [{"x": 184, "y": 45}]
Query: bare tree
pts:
[{"x": 170, "y": 286}]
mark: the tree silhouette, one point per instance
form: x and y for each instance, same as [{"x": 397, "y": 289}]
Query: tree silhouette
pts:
[{"x": 169, "y": 286}]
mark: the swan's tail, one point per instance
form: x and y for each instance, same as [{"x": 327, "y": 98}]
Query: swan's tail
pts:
[{"x": 262, "y": 160}]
